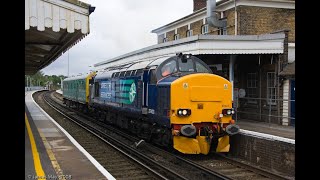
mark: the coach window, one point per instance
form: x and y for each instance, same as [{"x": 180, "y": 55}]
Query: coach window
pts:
[
  {"x": 117, "y": 74},
  {"x": 122, "y": 74},
  {"x": 128, "y": 73}
]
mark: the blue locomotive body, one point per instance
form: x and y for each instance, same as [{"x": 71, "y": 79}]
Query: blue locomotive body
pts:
[{"x": 172, "y": 101}]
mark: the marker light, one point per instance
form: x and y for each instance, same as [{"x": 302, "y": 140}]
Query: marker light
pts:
[{"x": 227, "y": 111}]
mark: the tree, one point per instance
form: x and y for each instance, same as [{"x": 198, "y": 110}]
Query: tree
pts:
[{"x": 40, "y": 79}]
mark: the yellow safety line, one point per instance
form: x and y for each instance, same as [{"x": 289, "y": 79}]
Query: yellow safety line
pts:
[
  {"x": 36, "y": 158},
  {"x": 54, "y": 161}
]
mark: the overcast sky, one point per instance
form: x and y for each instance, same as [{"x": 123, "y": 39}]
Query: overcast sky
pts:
[{"x": 118, "y": 27}]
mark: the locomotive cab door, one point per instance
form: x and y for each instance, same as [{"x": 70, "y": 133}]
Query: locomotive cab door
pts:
[
  {"x": 91, "y": 90},
  {"x": 152, "y": 91}
]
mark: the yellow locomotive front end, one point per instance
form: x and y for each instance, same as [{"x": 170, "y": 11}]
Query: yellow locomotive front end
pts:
[{"x": 201, "y": 113}]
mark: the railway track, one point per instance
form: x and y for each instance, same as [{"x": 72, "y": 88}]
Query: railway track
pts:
[
  {"x": 213, "y": 166},
  {"x": 120, "y": 164},
  {"x": 159, "y": 167}
]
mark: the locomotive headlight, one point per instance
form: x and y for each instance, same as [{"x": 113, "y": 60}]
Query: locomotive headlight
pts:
[
  {"x": 229, "y": 112},
  {"x": 184, "y": 112}
]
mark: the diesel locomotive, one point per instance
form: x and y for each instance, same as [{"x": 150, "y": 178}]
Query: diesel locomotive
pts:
[{"x": 171, "y": 101}]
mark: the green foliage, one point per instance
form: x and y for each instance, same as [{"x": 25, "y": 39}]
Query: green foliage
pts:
[{"x": 40, "y": 79}]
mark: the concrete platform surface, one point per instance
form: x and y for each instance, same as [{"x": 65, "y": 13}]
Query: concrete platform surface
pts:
[
  {"x": 268, "y": 128},
  {"x": 51, "y": 153}
]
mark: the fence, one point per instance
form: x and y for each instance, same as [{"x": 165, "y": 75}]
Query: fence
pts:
[
  {"x": 32, "y": 88},
  {"x": 279, "y": 111}
]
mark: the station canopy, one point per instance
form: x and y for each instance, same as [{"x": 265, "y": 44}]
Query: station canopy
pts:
[
  {"x": 51, "y": 28},
  {"x": 204, "y": 44}
]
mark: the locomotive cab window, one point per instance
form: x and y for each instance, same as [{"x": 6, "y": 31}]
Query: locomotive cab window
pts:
[
  {"x": 201, "y": 68},
  {"x": 169, "y": 68},
  {"x": 186, "y": 65}
]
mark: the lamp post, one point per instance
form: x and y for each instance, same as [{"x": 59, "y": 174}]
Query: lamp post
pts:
[{"x": 68, "y": 63}]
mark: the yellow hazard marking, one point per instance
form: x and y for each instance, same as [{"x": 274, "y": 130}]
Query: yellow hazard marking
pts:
[
  {"x": 36, "y": 158},
  {"x": 53, "y": 159}
]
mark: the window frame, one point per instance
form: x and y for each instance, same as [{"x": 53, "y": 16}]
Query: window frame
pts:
[
  {"x": 223, "y": 31},
  {"x": 165, "y": 40},
  {"x": 271, "y": 89},
  {"x": 176, "y": 36},
  {"x": 189, "y": 33},
  {"x": 203, "y": 28},
  {"x": 252, "y": 82}
]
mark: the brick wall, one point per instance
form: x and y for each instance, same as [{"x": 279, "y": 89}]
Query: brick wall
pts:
[
  {"x": 182, "y": 31},
  {"x": 251, "y": 21},
  {"x": 262, "y": 20},
  {"x": 230, "y": 21},
  {"x": 275, "y": 156},
  {"x": 199, "y": 4},
  {"x": 170, "y": 35},
  {"x": 196, "y": 27},
  {"x": 160, "y": 38}
]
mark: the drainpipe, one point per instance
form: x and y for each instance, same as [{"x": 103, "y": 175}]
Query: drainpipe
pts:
[
  {"x": 212, "y": 18},
  {"x": 235, "y": 18}
]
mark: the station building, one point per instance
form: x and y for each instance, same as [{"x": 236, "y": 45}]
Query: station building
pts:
[
  {"x": 251, "y": 43},
  {"x": 266, "y": 80}
]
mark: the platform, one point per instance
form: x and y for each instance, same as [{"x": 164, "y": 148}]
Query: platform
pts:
[
  {"x": 51, "y": 153},
  {"x": 267, "y": 130}
]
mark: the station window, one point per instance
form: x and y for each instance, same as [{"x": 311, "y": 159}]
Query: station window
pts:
[
  {"x": 165, "y": 40},
  {"x": 189, "y": 33},
  {"x": 176, "y": 36},
  {"x": 205, "y": 29},
  {"x": 222, "y": 31}
]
